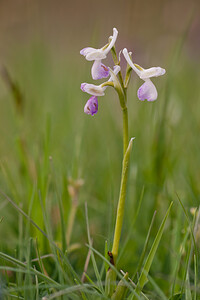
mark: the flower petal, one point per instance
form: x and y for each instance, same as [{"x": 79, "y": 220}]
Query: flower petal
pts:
[
  {"x": 95, "y": 90},
  {"x": 99, "y": 70},
  {"x": 113, "y": 74},
  {"x": 152, "y": 72},
  {"x": 113, "y": 40},
  {"x": 129, "y": 61},
  {"x": 87, "y": 50},
  {"x": 96, "y": 54},
  {"x": 83, "y": 86},
  {"x": 116, "y": 69},
  {"x": 91, "y": 107},
  {"x": 147, "y": 91},
  {"x": 92, "y": 53}
]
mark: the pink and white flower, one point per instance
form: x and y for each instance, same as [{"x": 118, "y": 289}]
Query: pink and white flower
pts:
[
  {"x": 91, "y": 107},
  {"x": 147, "y": 90},
  {"x": 99, "y": 70}
]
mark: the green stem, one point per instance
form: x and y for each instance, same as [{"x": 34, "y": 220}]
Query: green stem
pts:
[
  {"x": 121, "y": 90},
  {"x": 122, "y": 194},
  {"x": 125, "y": 128}
]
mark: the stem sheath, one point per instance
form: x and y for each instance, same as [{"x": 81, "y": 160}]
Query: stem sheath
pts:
[{"x": 125, "y": 129}]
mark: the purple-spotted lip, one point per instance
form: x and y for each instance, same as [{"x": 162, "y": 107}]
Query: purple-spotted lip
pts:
[
  {"x": 91, "y": 106},
  {"x": 99, "y": 70}
]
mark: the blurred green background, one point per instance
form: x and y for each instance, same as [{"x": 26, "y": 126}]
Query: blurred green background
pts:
[{"x": 39, "y": 47}]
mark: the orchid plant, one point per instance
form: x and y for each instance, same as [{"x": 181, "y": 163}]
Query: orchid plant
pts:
[{"x": 147, "y": 91}]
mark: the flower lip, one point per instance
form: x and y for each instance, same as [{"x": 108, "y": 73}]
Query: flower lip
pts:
[
  {"x": 99, "y": 70},
  {"x": 147, "y": 91},
  {"x": 91, "y": 106}
]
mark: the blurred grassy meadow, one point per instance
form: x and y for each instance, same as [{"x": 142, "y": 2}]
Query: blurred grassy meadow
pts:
[{"x": 46, "y": 140}]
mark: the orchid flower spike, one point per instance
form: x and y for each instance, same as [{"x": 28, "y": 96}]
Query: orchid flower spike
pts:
[
  {"x": 91, "y": 107},
  {"x": 147, "y": 90},
  {"x": 99, "y": 70}
]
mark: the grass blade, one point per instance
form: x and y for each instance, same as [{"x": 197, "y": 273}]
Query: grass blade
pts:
[
  {"x": 188, "y": 295},
  {"x": 143, "y": 277},
  {"x": 157, "y": 288},
  {"x": 191, "y": 229},
  {"x": 92, "y": 254},
  {"x": 116, "y": 271},
  {"x": 65, "y": 259},
  {"x": 145, "y": 246},
  {"x": 70, "y": 290},
  {"x": 23, "y": 265}
]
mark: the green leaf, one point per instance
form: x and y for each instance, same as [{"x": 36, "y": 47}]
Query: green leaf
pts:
[
  {"x": 121, "y": 289},
  {"x": 138, "y": 269},
  {"x": 110, "y": 283},
  {"x": 143, "y": 277},
  {"x": 188, "y": 295},
  {"x": 92, "y": 283}
]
